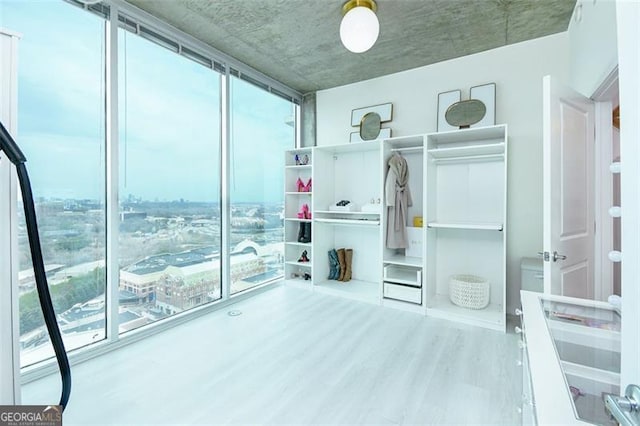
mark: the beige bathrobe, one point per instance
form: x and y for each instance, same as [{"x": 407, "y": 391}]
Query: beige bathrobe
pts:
[{"x": 398, "y": 200}]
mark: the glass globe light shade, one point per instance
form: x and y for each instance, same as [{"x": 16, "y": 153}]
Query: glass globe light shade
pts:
[{"x": 359, "y": 29}]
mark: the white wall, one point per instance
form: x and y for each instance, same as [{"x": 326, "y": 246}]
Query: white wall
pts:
[
  {"x": 593, "y": 44},
  {"x": 517, "y": 71}
]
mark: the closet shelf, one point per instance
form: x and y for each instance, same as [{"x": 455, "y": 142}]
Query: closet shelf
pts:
[
  {"x": 298, "y": 193},
  {"x": 295, "y": 243},
  {"x": 399, "y": 259},
  {"x": 406, "y": 141},
  {"x": 294, "y": 219},
  {"x": 338, "y": 213},
  {"x": 467, "y": 225},
  {"x": 474, "y": 134},
  {"x": 350, "y": 222},
  {"x": 303, "y": 264},
  {"x": 468, "y": 151},
  {"x": 301, "y": 167}
]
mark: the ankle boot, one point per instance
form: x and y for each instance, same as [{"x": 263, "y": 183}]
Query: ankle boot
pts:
[
  {"x": 301, "y": 233},
  {"x": 306, "y": 229},
  {"x": 348, "y": 257},
  {"x": 342, "y": 264}
]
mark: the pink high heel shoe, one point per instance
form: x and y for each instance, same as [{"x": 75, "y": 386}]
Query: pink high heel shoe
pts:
[
  {"x": 301, "y": 186},
  {"x": 304, "y": 212},
  {"x": 307, "y": 187}
]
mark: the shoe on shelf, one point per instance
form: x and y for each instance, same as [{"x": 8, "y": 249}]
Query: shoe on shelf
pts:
[
  {"x": 342, "y": 203},
  {"x": 334, "y": 265},
  {"x": 301, "y": 233},
  {"x": 306, "y": 235},
  {"x": 300, "y": 185},
  {"x": 307, "y": 187},
  {"x": 303, "y": 257},
  {"x": 348, "y": 258},
  {"x": 307, "y": 276},
  {"x": 304, "y": 212},
  {"x": 343, "y": 265}
]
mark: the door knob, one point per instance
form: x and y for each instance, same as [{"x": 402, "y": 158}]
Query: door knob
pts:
[
  {"x": 557, "y": 256},
  {"x": 626, "y": 409}
]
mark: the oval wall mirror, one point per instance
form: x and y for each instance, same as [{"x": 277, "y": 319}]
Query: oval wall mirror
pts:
[
  {"x": 465, "y": 113},
  {"x": 370, "y": 126}
]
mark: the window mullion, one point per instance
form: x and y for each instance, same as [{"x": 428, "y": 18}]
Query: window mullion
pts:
[
  {"x": 112, "y": 205},
  {"x": 225, "y": 142}
]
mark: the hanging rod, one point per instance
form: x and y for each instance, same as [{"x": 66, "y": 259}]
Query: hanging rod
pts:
[
  {"x": 469, "y": 157},
  {"x": 411, "y": 148}
]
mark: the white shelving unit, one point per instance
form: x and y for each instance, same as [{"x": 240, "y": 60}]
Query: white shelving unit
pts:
[
  {"x": 294, "y": 199},
  {"x": 344, "y": 172},
  {"x": 466, "y": 219},
  {"x": 402, "y": 269},
  {"x": 458, "y": 186}
]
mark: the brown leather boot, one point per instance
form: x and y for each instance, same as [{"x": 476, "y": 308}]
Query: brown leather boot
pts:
[
  {"x": 348, "y": 257},
  {"x": 342, "y": 264}
]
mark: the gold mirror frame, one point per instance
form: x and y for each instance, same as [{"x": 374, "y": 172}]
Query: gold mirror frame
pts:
[{"x": 370, "y": 126}]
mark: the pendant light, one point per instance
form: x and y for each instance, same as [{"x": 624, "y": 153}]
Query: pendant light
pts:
[{"x": 359, "y": 28}]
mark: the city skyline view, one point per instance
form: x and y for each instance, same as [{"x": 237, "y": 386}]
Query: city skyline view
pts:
[{"x": 50, "y": 136}]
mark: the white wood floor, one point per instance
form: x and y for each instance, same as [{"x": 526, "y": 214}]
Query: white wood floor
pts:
[{"x": 297, "y": 357}]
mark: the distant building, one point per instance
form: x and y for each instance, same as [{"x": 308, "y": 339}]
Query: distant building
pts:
[
  {"x": 132, "y": 215},
  {"x": 181, "y": 281}
]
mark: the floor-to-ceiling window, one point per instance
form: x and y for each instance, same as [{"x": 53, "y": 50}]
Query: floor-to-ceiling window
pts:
[
  {"x": 170, "y": 236},
  {"x": 171, "y": 100},
  {"x": 262, "y": 127},
  {"x": 61, "y": 129}
]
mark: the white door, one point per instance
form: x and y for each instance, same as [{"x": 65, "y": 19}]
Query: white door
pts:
[{"x": 568, "y": 202}]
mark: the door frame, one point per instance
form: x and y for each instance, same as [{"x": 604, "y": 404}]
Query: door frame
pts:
[{"x": 605, "y": 97}]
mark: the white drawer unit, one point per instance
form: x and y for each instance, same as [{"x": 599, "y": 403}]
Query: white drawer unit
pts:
[
  {"x": 404, "y": 293},
  {"x": 403, "y": 275}
]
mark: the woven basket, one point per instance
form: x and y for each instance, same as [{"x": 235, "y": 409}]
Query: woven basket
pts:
[{"x": 469, "y": 291}]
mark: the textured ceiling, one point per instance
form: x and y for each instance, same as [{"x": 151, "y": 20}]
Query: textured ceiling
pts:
[{"x": 297, "y": 43}]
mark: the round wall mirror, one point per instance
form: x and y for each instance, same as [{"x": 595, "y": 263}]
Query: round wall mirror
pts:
[
  {"x": 465, "y": 113},
  {"x": 370, "y": 126}
]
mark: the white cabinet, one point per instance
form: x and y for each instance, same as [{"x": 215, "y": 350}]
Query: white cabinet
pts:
[
  {"x": 298, "y": 191},
  {"x": 465, "y": 184}
]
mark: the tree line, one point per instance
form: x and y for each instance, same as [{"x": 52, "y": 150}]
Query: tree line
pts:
[{"x": 79, "y": 289}]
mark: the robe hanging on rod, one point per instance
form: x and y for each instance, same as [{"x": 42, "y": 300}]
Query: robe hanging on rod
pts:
[{"x": 398, "y": 200}]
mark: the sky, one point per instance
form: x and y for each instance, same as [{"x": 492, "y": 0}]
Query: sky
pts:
[{"x": 169, "y": 115}]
